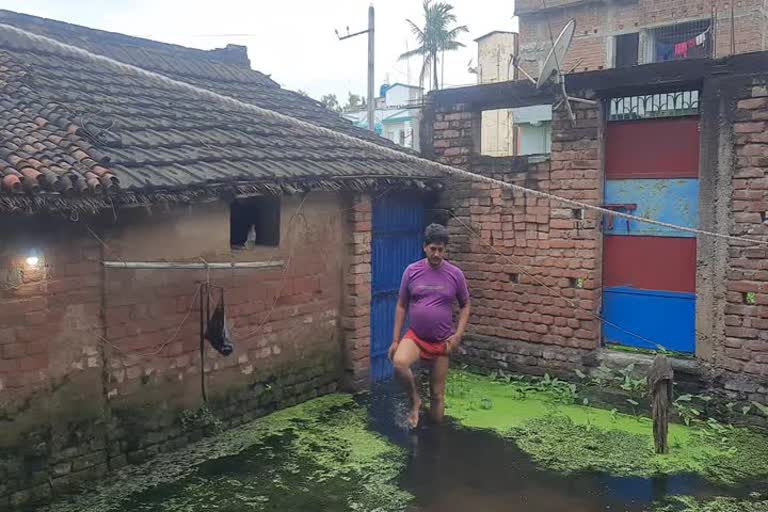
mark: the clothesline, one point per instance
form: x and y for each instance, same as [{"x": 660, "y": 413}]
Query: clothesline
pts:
[
  {"x": 667, "y": 51},
  {"x": 681, "y": 49}
]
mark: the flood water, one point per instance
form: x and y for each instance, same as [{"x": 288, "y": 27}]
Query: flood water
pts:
[
  {"x": 449, "y": 468},
  {"x": 453, "y": 469}
]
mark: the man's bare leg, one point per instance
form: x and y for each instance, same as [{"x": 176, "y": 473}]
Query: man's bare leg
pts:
[
  {"x": 437, "y": 388},
  {"x": 408, "y": 353}
]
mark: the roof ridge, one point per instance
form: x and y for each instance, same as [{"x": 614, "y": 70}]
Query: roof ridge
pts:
[{"x": 89, "y": 36}]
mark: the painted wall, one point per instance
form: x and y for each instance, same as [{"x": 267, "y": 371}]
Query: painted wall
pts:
[
  {"x": 406, "y": 122},
  {"x": 399, "y": 95}
]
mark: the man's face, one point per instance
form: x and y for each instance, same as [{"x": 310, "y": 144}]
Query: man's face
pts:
[{"x": 435, "y": 253}]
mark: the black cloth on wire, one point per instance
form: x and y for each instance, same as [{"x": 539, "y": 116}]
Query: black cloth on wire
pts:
[{"x": 217, "y": 332}]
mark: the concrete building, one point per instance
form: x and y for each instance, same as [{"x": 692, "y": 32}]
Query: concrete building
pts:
[
  {"x": 508, "y": 132},
  {"x": 616, "y": 34},
  {"x": 494, "y": 64},
  {"x": 397, "y": 114}
]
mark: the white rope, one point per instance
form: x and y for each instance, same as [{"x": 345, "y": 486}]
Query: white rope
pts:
[{"x": 349, "y": 139}]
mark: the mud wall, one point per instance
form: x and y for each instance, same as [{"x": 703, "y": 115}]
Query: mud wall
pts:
[{"x": 98, "y": 364}]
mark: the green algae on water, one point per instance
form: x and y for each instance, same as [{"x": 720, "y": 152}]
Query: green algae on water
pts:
[
  {"x": 316, "y": 456},
  {"x": 719, "y": 504},
  {"x": 561, "y": 435}
]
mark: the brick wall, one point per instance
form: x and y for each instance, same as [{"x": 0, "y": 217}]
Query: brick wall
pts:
[
  {"x": 588, "y": 51},
  {"x": 518, "y": 323},
  {"x": 50, "y": 363},
  {"x": 596, "y": 22},
  {"x": 536, "y": 293},
  {"x": 746, "y": 322},
  {"x": 357, "y": 293},
  {"x": 99, "y": 363}
]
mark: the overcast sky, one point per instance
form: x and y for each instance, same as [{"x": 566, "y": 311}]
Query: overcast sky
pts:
[{"x": 293, "y": 40}]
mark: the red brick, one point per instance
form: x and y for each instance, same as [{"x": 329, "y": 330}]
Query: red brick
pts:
[
  {"x": 752, "y": 104},
  {"x": 13, "y": 350},
  {"x": 33, "y": 363},
  {"x": 749, "y": 127},
  {"x": 7, "y": 335}
]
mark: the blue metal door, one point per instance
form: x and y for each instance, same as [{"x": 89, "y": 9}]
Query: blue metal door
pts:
[
  {"x": 398, "y": 222},
  {"x": 649, "y": 273}
]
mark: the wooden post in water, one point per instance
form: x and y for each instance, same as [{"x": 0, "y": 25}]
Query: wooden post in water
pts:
[{"x": 660, "y": 380}]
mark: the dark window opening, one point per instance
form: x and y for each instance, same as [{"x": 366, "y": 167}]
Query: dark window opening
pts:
[
  {"x": 627, "y": 46},
  {"x": 254, "y": 222}
]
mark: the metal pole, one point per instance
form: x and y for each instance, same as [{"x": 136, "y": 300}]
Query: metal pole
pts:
[
  {"x": 371, "y": 101},
  {"x": 203, "y": 321}
]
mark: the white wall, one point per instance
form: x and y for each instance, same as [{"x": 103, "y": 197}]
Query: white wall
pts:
[
  {"x": 493, "y": 56},
  {"x": 399, "y": 95}
]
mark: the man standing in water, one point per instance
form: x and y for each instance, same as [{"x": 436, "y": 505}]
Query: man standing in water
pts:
[{"x": 427, "y": 293}]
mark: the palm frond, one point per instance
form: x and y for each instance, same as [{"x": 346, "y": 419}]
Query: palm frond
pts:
[
  {"x": 412, "y": 53},
  {"x": 437, "y": 35},
  {"x": 416, "y": 30},
  {"x": 456, "y": 32},
  {"x": 452, "y": 45}
]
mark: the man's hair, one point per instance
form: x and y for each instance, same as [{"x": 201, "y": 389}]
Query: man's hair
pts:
[{"x": 436, "y": 234}]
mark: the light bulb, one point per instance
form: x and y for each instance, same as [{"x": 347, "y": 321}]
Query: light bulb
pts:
[{"x": 32, "y": 261}]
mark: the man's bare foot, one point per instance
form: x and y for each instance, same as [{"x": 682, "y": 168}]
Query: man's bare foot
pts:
[{"x": 413, "y": 417}]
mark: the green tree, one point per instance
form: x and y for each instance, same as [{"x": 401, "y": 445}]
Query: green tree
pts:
[
  {"x": 438, "y": 35},
  {"x": 355, "y": 102},
  {"x": 330, "y": 102}
]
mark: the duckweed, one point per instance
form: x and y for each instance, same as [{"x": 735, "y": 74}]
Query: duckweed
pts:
[
  {"x": 315, "y": 456},
  {"x": 720, "y": 504},
  {"x": 563, "y": 436}
]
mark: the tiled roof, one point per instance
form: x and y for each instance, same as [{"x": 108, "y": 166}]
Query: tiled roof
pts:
[{"x": 71, "y": 126}]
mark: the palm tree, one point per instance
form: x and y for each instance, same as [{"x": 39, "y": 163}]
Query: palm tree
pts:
[{"x": 437, "y": 37}]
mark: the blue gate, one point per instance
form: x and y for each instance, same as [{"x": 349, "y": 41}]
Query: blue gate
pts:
[{"x": 398, "y": 224}]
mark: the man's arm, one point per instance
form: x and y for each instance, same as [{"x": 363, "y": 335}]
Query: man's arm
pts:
[
  {"x": 462, "y": 296},
  {"x": 455, "y": 340},
  {"x": 400, "y": 311},
  {"x": 399, "y": 321}
]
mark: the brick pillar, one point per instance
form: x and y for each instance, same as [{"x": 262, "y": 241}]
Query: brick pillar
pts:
[
  {"x": 455, "y": 135},
  {"x": 745, "y": 347},
  {"x": 356, "y": 319}
]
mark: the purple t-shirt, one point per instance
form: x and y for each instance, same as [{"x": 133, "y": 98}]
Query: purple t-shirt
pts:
[{"x": 428, "y": 294}]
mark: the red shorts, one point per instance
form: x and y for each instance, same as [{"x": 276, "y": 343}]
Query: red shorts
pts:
[{"x": 428, "y": 351}]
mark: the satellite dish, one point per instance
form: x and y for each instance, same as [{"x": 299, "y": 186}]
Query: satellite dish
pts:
[
  {"x": 552, "y": 69},
  {"x": 556, "y": 56}
]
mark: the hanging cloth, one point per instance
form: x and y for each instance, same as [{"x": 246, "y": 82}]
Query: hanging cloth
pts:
[
  {"x": 664, "y": 52},
  {"x": 217, "y": 332},
  {"x": 681, "y": 49},
  {"x": 701, "y": 39}
]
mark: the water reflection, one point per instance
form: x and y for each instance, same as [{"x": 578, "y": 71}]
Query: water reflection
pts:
[{"x": 456, "y": 469}]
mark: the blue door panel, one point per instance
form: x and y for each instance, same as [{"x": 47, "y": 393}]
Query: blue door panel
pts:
[
  {"x": 674, "y": 201},
  {"x": 665, "y": 318},
  {"x": 398, "y": 221}
]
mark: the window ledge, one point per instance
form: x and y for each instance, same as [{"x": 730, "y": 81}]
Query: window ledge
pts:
[{"x": 171, "y": 265}]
